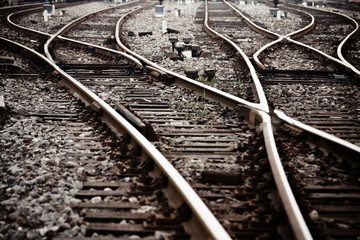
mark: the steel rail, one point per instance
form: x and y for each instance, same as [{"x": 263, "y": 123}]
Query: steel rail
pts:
[
  {"x": 101, "y": 49},
  {"x": 25, "y": 29},
  {"x": 321, "y": 53},
  {"x": 295, "y": 34},
  {"x": 77, "y": 21},
  {"x": 272, "y": 34},
  {"x": 297, "y": 222},
  {"x": 351, "y": 35},
  {"x": 33, "y": 10},
  {"x": 259, "y": 90},
  {"x": 32, "y": 5},
  {"x": 116, "y": 122},
  {"x": 292, "y": 210},
  {"x": 200, "y": 88},
  {"x": 339, "y": 48},
  {"x": 298, "y": 33},
  {"x": 328, "y": 142},
  {"x": 69, "y": 25},
  {"x": 261, "y": 52},
  {"x": 344, "y": 147},
  {"x": 303, "y": 30},
  {"x": 252, "y": 25}
]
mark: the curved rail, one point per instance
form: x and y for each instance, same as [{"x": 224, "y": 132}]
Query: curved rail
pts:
[
  {"x": 257, "y": 116},
  {"x": 271, "y": 34},
  {"x": 343, "y": 62},
  {"x": 100, "y": 49},
  {"x": 25, "y": 29},
  {"x": 261, "y": 51},
  {"x": 51, "y": 37},
  {"x": 252, "y": 25},
  {"x": 212, "y": 93},
  {"x": 298, "y": 33},
  {"x": 288, "y": 200},
  {"x": 335, "y": 60},
  {"x": 259, "y": 91},
  {"x": 327, "y": 141},
  {"x": 33, "y": 10},
  {"x": 352, "y": 34},
  {"x": 295, "y": 34},
  {"x": 116, "y": 122},
  {"x": 77, "y": 21},
  {"x": 305, "y": 29}
]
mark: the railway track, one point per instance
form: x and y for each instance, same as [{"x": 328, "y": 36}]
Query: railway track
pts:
[
  {"x": 307, "y": 74},
  {"x": 188, "y": 136},
  {"x": 264, "y": 16},
  {"x": 330, "y": 30},
  {"x": 225, "y": 21},
  {"x": 324, "y": 186},
  {"x": 205, "y": 142},
  {"x": 125, "y": 183},
  {"x": 129, "y": 155},
  {"x": 309, "y": 150},
  {"x": 99, "y": 29},
  {"x": 313, "y": 69},
  {"x": 210, "y": 59}
]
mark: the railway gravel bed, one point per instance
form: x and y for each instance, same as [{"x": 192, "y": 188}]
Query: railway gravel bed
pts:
[
  {"x": 288, "y": 56},
  {"x": 331, "y": 107},
  {"x": 36, "y": 21},
  {"x": 329, "y": 31},
  {"x": 99, "y": 30},
  {"x": 64, "y": 172},
  {"x": 327, "y": 188},
  {"x": 204, "y": 141},
  {"x": 36, "y": 186},
  {"x": 25, "y": 39},
  {"x": 351, "y": 50},
  {"x": 226, "y": 22},
  {"x": 213, "y": 57},
  {"x": 260, "y": 15},
  {"x": 219, "y": 154},
  {"x": 61, "y": 17}
]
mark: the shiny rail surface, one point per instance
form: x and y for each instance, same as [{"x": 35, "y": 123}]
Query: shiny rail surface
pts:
[
  {"x": 340, "y": 60},
  {"x": 290, "y": 37},
  {"x": 345, "y": 40},
  {"x": 259, "y": 91},
  {"x": 295, "y": 217},
  {"x": 255, "y": 117},
  {"x": 256, "y": 114},
  {"x": 78, "y": 21},
  {"x": 212, "y": 93},
  {"x": 117, "y": 123},
  {"x": 305, "y": 232}
]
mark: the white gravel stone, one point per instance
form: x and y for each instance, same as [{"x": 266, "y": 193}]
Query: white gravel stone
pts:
[{"x": 96, "y": 199}]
